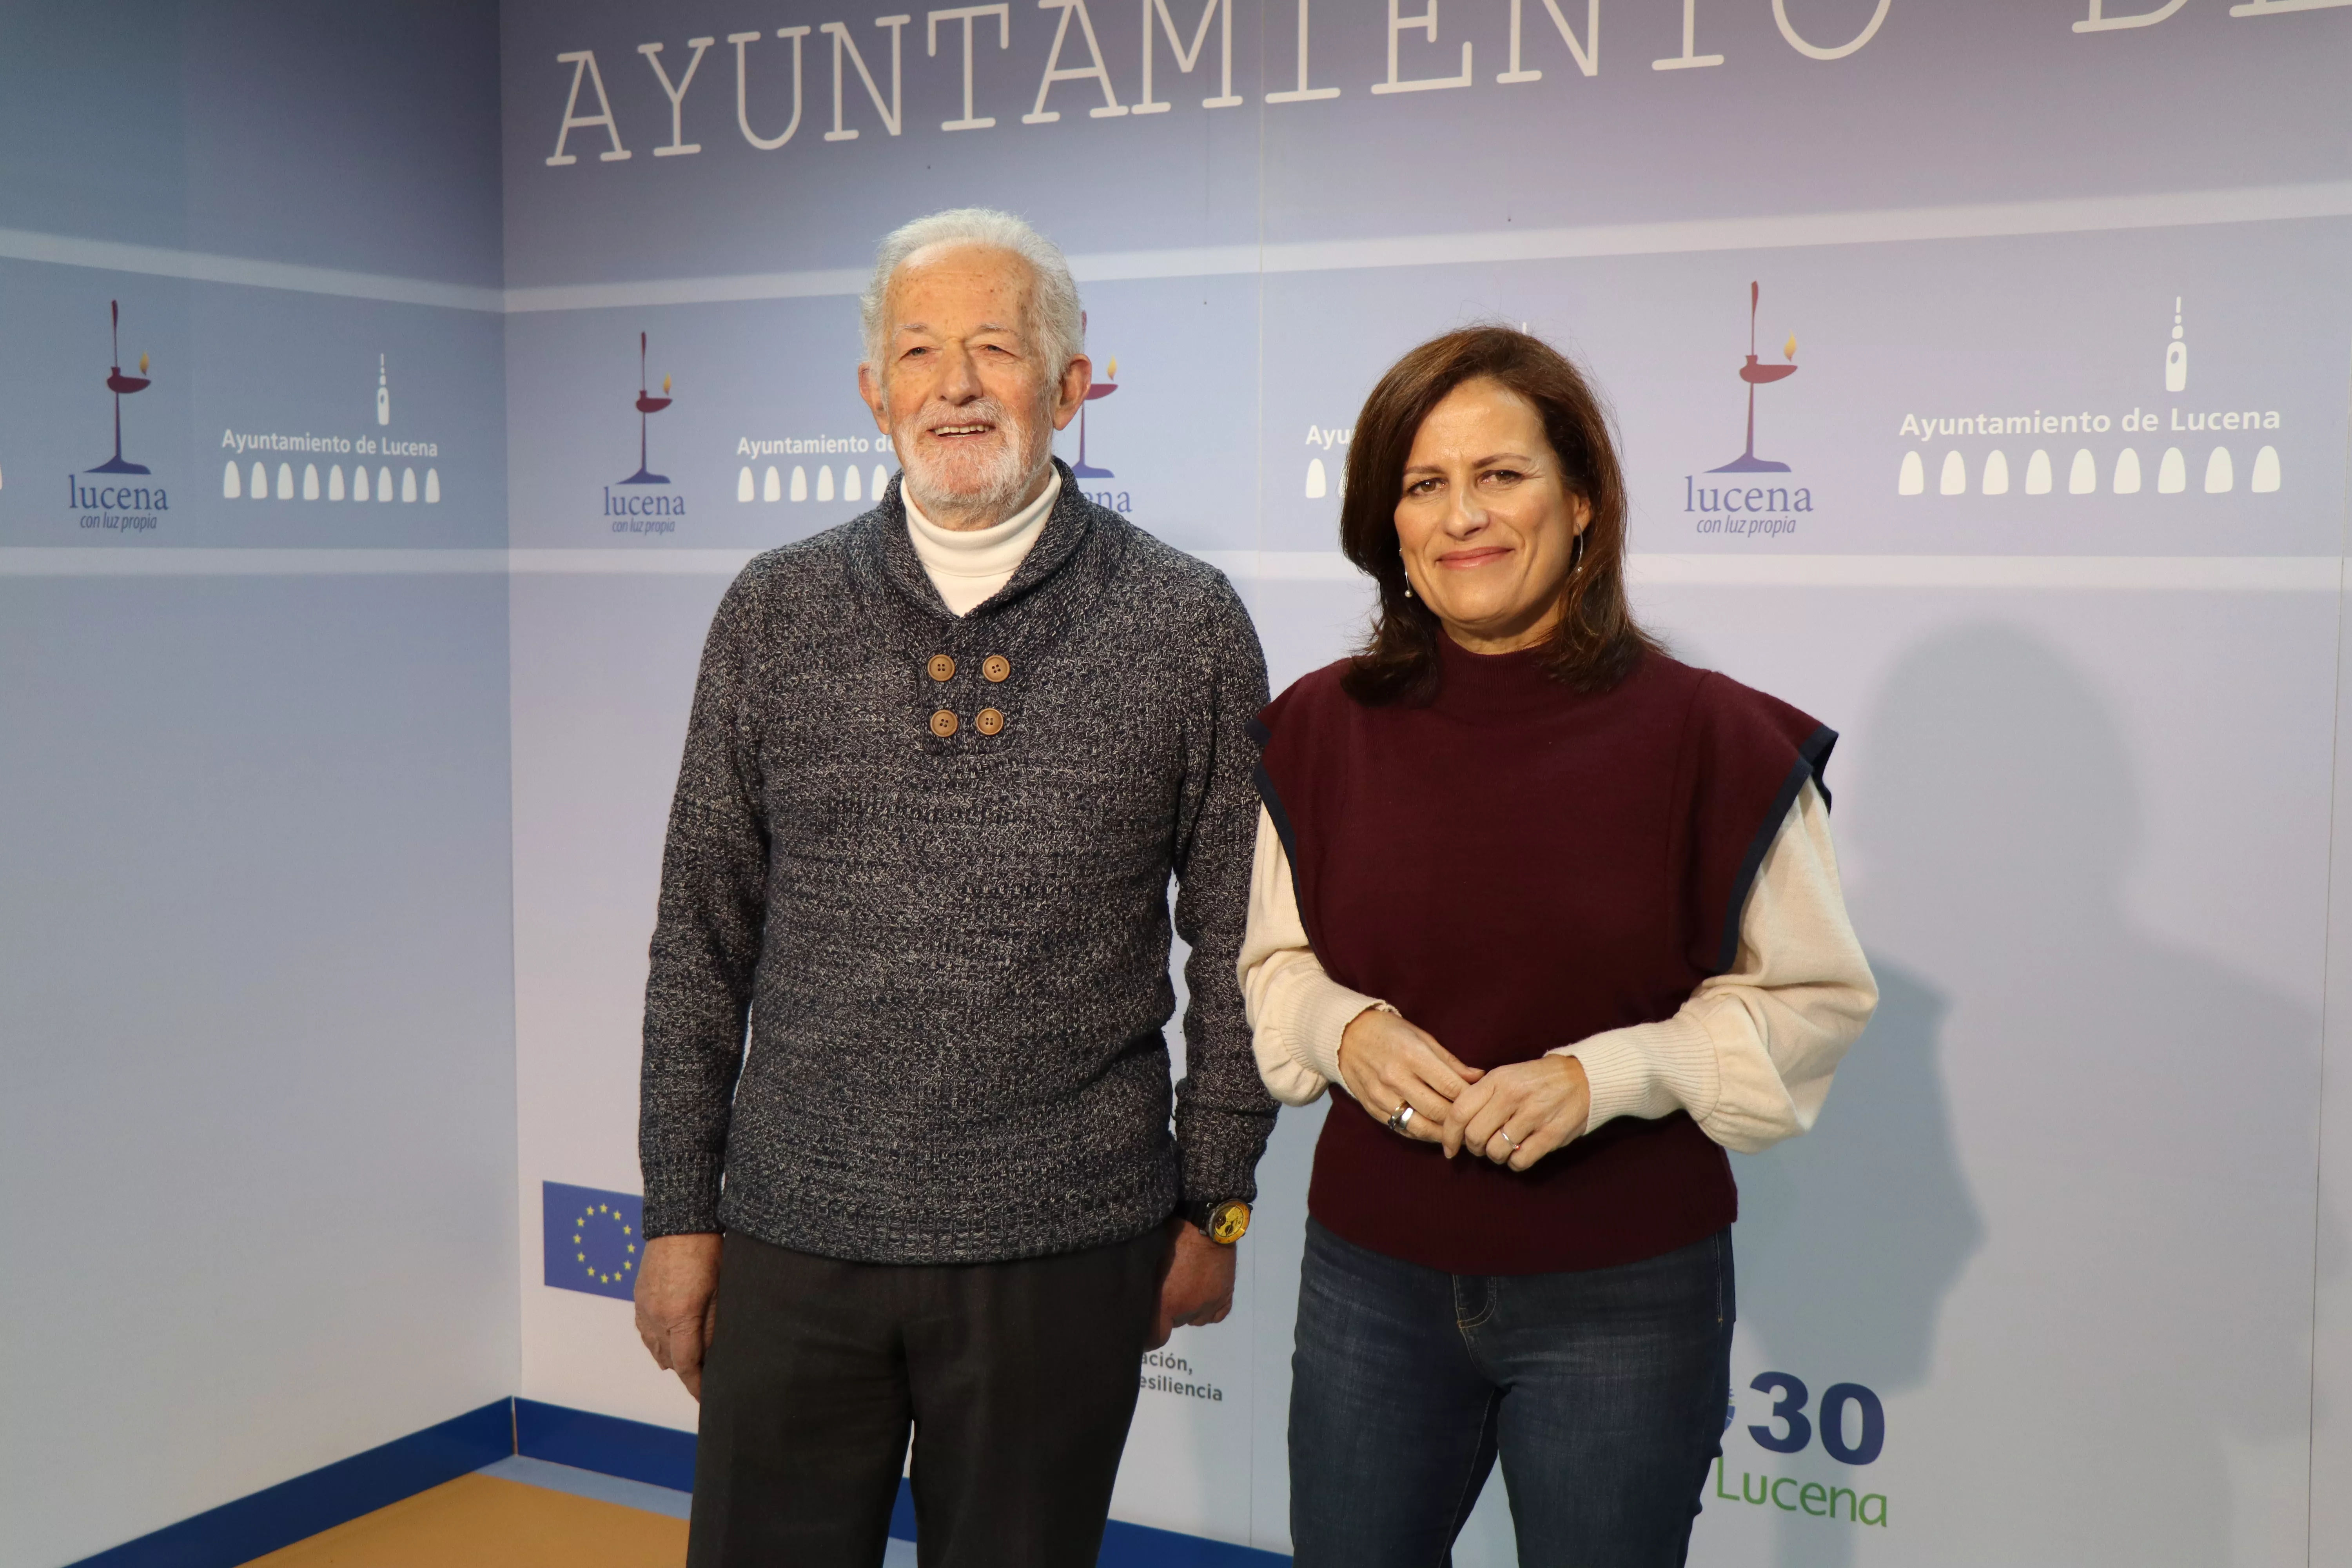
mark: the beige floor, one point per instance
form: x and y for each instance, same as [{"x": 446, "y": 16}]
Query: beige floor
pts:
[{"x": 481, "y": 1521}]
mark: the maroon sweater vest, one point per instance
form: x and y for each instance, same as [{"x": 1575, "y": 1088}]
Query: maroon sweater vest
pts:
[{"x": 1516, "y": 866}]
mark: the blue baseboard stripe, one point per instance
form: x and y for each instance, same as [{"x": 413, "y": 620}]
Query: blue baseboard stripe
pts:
[
  {"x": 1140, "y": 1546},
  {"x": 664, "y": 1455},
  {"x": 636, "y": 1450},
  {"x": 238, "y": 1531},
  {"x": 333, "y": 1494}
]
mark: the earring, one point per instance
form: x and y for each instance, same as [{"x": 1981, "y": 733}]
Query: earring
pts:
[
  {"x": 1407, "y": 587},
  {"x": 1576, "y": 557}
]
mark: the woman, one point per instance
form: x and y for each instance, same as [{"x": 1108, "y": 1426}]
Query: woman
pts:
[{"x": 1561, "y": 916}]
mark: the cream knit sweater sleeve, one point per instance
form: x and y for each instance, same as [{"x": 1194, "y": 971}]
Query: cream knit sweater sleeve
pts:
[{"x": 1750, "y": 1054}]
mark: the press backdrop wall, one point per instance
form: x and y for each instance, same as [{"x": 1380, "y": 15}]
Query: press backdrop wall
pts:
[
  {"x": 257, "y": 1123},
  {"x": 2068, "y": 1225}
]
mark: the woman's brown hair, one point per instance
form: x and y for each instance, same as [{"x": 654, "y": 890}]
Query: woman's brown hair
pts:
[{"x": 1597, "y": 643}]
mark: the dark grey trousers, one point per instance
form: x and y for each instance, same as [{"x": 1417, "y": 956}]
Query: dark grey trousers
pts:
[{"x": 1019, "y": 1379}]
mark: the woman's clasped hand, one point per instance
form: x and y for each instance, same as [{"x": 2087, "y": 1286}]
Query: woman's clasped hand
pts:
[{"x": 1513, "y": 1115}]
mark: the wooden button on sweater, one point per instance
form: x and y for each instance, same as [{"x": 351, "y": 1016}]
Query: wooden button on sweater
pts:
[
  {"x": 941, "y": 667},
  {"x": 996, "y": 667},
  {"x": 943, "y": 723},
  {"x": 988, "y": 720}
]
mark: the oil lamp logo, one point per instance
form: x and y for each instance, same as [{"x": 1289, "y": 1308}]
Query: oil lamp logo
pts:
[
  {"x": 118, "y": 506},
  {"x": 636, "y": 512},
  {"x": 1750, "y": 509},
  {"x": 1117, "y": 501},
  {"x": 1103, "y": 388},
  {"x": 1756, "y": 373}
]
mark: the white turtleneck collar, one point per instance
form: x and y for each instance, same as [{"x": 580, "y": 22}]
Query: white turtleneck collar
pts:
[{"x": 968, "y": 568}]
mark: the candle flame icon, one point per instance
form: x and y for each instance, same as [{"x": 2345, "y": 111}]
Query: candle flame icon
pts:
[
  {"x": 646, "y": 405},
  {"x": 1757, "y": 373},
  {"x": 121, "y": 385}
]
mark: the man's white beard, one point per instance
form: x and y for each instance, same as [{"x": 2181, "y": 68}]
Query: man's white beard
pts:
[{"x": 989, "y": 485}]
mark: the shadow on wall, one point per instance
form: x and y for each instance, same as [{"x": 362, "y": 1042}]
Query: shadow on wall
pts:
[
  {"x": 1850, "y": 1239},
  {"x": 2140, "y": 1125}
]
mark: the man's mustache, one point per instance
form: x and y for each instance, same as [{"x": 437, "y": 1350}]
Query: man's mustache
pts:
[{"x": 989, "y": 412}]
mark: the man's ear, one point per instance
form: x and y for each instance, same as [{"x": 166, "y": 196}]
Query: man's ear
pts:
[
  {"x": 1070, "y": 393},
  {"x": 869, "y": 389}
]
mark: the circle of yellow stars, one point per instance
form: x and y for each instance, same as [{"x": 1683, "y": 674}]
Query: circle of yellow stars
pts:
[{"x": 580, "y": 1230}]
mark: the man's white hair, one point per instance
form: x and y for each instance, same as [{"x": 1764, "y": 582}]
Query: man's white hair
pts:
[{"x": 1056, "y": 321}]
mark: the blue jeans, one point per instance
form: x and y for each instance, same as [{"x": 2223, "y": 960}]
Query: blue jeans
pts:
[{"x": 1603, "y": 1390}]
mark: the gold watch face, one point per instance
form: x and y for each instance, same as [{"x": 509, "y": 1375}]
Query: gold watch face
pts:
[{"x": 1229, "y": 1222}]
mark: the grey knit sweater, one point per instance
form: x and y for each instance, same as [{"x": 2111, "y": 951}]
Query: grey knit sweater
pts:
[{"x": 952, "y": 948}]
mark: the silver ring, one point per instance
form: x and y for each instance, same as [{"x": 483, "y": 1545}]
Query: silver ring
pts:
[
  {"x": 1507, "y": 1138},
  {"x": 1401, "y": 1119}
]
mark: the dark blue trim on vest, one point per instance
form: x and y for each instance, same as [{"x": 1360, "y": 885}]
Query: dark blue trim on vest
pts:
[
  {"x": 1271, "y": 798},
  {"x": 1812, "y": 763},
  {"x": 333, "y": 1494},
  {"x": 634, "y": 1450}
]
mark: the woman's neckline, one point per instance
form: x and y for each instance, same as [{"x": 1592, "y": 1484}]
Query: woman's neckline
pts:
[{"x": 1494, "y": 685}]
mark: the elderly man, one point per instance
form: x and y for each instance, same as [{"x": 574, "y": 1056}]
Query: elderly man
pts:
[{"x": 941, "y": 765}]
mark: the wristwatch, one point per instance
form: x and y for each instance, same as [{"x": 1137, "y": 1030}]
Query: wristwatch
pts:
[{"x": 1224, "y": 1221}]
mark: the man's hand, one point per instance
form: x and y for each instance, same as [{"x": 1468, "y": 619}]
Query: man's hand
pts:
[
  {"x": 1198, "y": 1288},
  {"x": 1517, "y": 1114},
  {"x": 1388, "y": 1064},
  {"x": 678, "y": 1303}
]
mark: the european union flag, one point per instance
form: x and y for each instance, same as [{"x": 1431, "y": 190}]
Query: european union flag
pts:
[{"x": 595, "y": 1239}]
